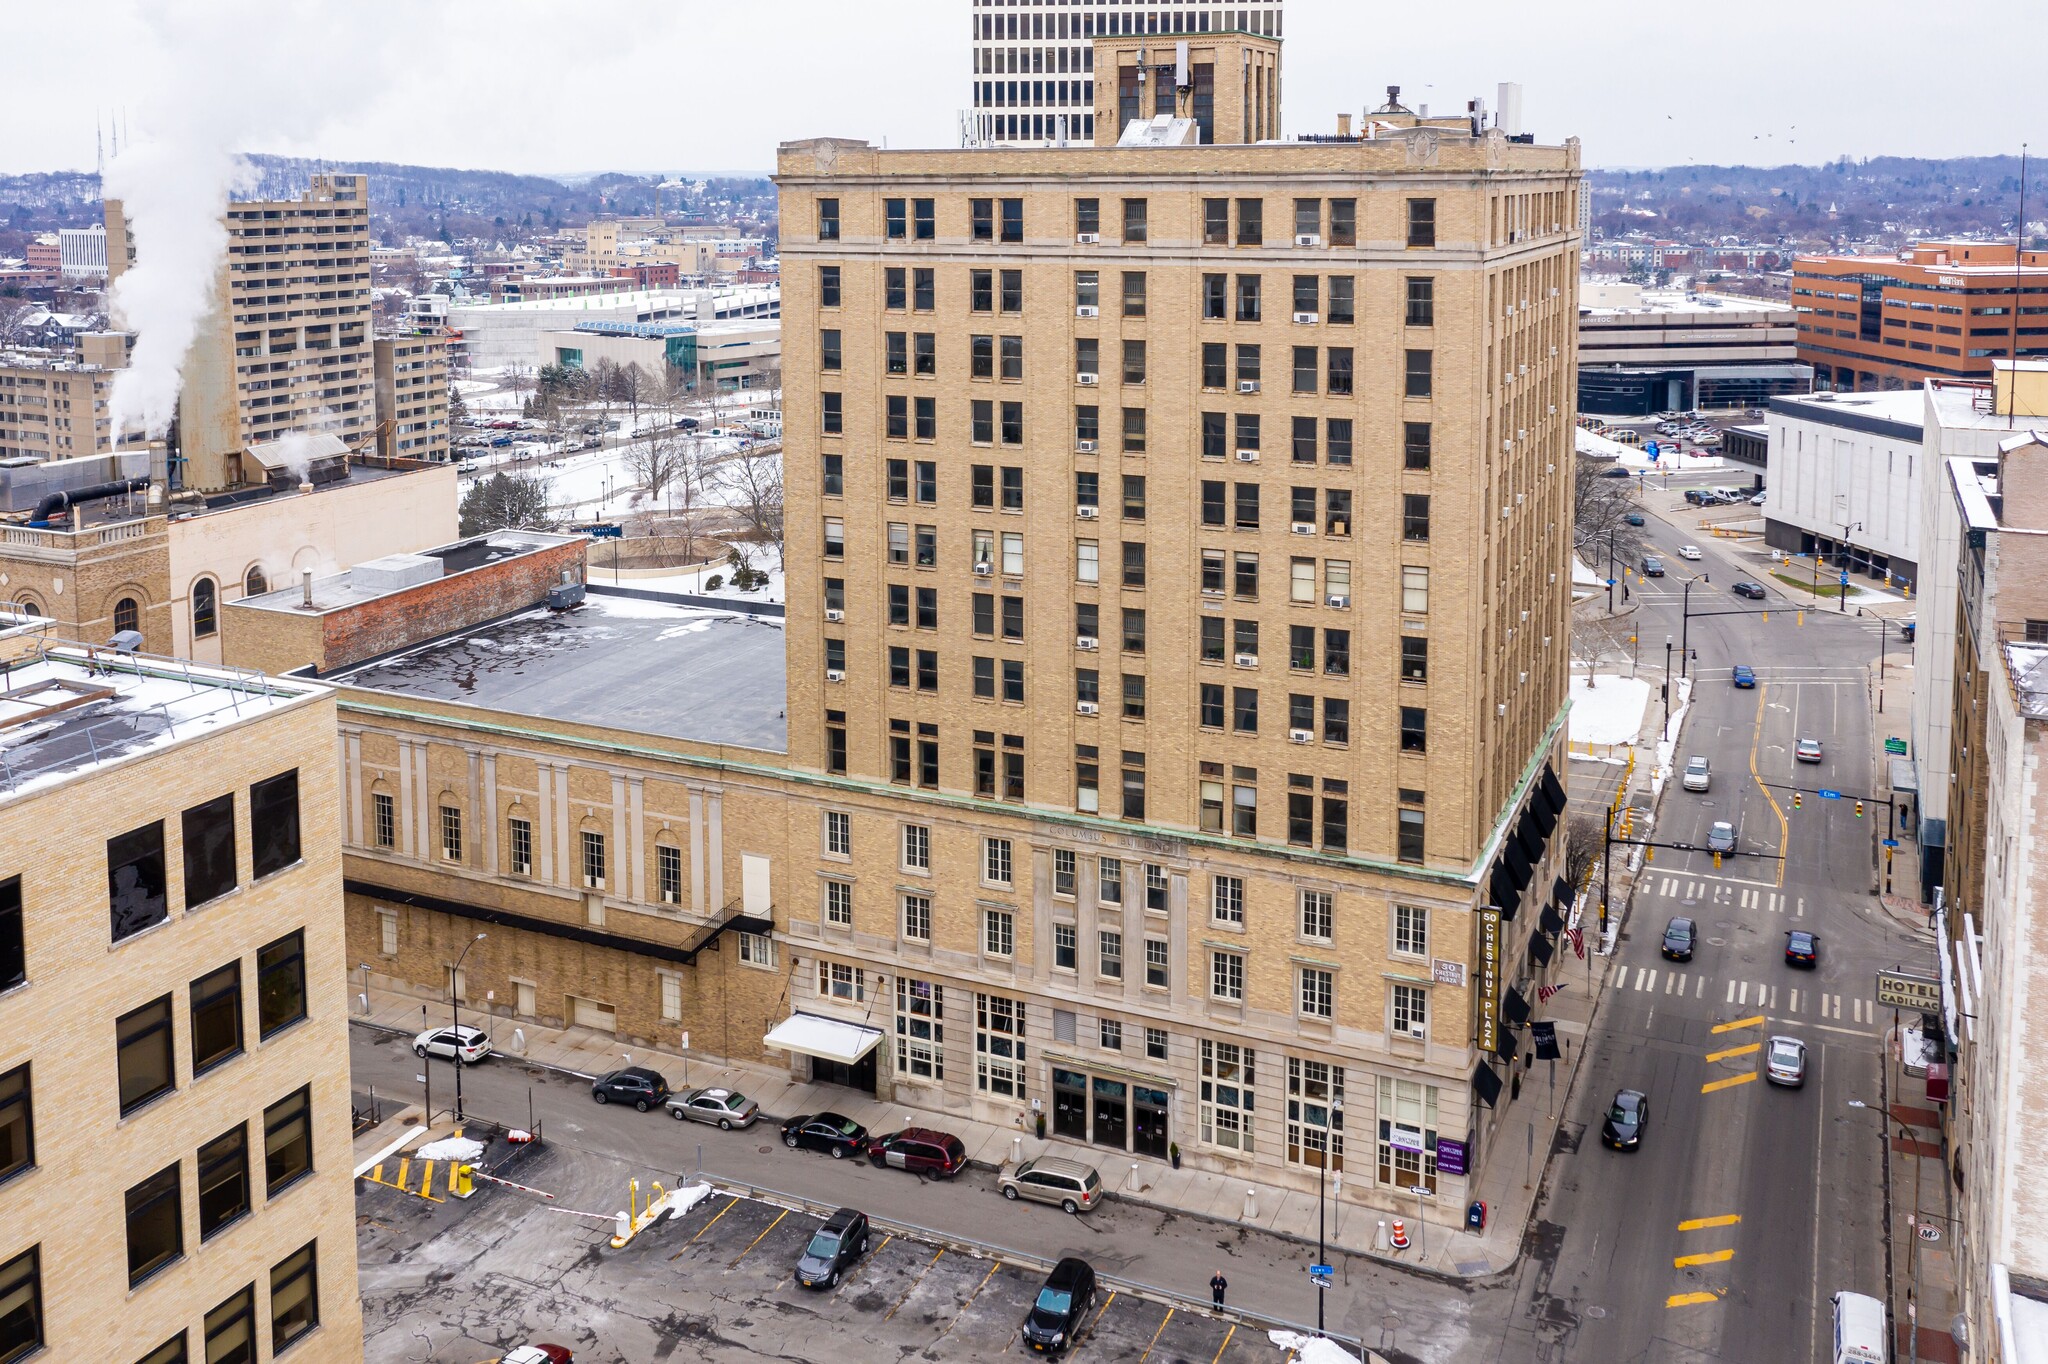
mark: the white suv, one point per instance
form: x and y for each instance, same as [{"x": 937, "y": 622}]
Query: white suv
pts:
[{"x": 1698, "y": 775}]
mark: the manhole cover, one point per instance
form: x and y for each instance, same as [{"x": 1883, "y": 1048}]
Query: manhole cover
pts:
[
  {"x": 1596, "y": 1313},
  {"x": 1930, "y": 1233}
]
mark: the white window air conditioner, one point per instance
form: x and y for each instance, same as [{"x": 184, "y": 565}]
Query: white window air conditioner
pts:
[
  {"x": 1307, "y": 239},
  {"x": 1247, "y": 457},
  {"x": 1419, "y": 1032},
  {"x": 1084, "y": 447},
  {"x": 1308, "y": 319},
  {"x": 1304, "y": 528},
  {"x": 1247, "y": 660},
  {"x": 1300, "y": 736},
  {"x": 1087, "y": 310},
  {"x": 1087, "y": 379},
  {"x": 983, "y": 570},
  {"x": 1085, "y": 643},
  {"x": 1086, "y": 708},
  {"x": 1087, "y": 513},
  {"x": 1087, "y": 238},
  {"x": 832, "y": 615},
  {"x": 1340, "y": 601},
  {"x": 1247, "y": 385},
  {"x": 835, "y": 675}
]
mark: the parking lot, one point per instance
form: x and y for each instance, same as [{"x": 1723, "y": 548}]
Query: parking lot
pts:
[{"x": 458, "y": 1283}]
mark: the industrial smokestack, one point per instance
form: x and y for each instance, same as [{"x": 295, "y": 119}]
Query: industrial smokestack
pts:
[
  {"x": 1508, "y": 114},
  {"x": 306, "y": 588}
]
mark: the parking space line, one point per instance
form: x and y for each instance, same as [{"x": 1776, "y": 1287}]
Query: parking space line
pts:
[
  {"x": 1099, "y": 1311},
  {"x": 1155, "y": 1336},
  {"x": 706, "y": 1227},
  {"x": 966, "y": 1303},
  {"x": 1226, "y": 1343},
  {"x": 757, "y": 1240},
  {"x": 1739, "y": 1023},
  {"x": 1711, "y": 1257},
  {"x": 915, "y": 1282},
  {"x": 1744, "y": 1050},
  {"x": 1703, "y": 1223},
  {"x": 1710, "y": 1086}
]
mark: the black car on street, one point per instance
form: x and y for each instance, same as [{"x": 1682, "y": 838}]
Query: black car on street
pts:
[
  {"x": 834, "y": 1134},
  {"x": 1678, "y": 936},
  {"x": 1626, "y": 1120}
]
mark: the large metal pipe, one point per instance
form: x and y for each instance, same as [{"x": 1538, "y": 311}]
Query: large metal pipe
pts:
[{"x": 57, "y": 502}]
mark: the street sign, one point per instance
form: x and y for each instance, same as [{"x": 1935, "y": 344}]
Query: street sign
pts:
[
  {"x": 1845, "y": 577},
  {"x": 1891, "y": 842},
  {"x": 1903, "y": 991},
  {"x": 1826, "y": 794},
  {"x": 1321, "y": 1274},
  {"x": 1895, "y": 745},
  {"x": 1651, "y": 450}
]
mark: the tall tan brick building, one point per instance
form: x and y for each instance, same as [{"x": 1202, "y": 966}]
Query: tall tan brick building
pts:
[
  {"x": 174, "y": 1114},
  {"x": 412, "y": 396},
  {"x": 1163, "y": 738}
]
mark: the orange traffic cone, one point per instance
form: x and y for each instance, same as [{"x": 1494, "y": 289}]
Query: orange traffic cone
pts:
[{"x": 1400, "y": 1237}]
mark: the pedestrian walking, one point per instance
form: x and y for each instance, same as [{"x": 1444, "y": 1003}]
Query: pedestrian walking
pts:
[{"x": 1216, "y": 1287}]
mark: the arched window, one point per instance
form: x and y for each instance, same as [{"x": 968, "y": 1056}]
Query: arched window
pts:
[
  {"x": 29, "y": 606},
  {"x": 127, "y": 615},
  {"x": 255, "y": 584},
  {"x": 205, "y": 608}
]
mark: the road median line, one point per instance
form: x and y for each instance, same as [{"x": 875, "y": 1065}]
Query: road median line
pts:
[
  {"x": 1710, "y": 1086},
  {"x": 1703, "y": 1223},
  {"x": 1756, "y": 1022},
  {"x": 1746, "y": 1049}
]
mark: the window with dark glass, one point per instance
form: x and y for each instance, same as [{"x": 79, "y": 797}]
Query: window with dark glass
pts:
[
  {"x": 1216, "y": 222},
  {"x": 1415, "y": 445},
  {"x": 1337, "y": 432},
  {"x": 135, "y": 880},
  {"x": 1305, "y": 368},
  {"x": 894, "y": 295},
  {"x": 896, "y": 416},
  {"x": 205, "y": 608},
  {"x": 1421, "y": 302},
  {"x": 156, "y": 1226},
  {"x": 1247, "y": 428},
  {"x": 216, "y": 1017},
  {"x": 981, "y": 357},
  {"x": 281, "y": 983},
  {"x": 1422, "y": 222},
  {"x": 981, "y": 422},
  {"x": 1338, "y": 378},
  {"x": 1251, "y": 220},
  {"x": 127, "y": 615},
  {"x": 1246, "y": 506},
  {"x": 1013, "y": 220},
  {"x": 1134, "y": 220},
  {"x": 209, "y": 839},
  {"x": 1013, "y": 357},
  {"x": 223, "y": 1179},
  {"x": 830, "y": 414},
  {"x": 1248, "y": 371},
  {"x": 1087, "y": 217},
  {"x": 895, "y": 220},
  {"x": 1414, "y": 658},
  {"x": 1308, "y": 217},
  {"x": 13, "y": 940},
  {"x": 1215, "y": 297},
  {"x": 1419, "y": 376},
  {"x": 828, "y": 220},
  {"x": 926, "y": 411},
  {"x": 1337, "y": 653},
  {"x": 1215, "y": 435},
  {"x": 1307, "y": 294},
  {"x": 1134, "y": 293},
  {"x": 1343, "y": 222},
  {"x": 17, "y": 1123},
  {"x": 924, "y": 219},
  {"x": 1343, "y": 300},
  {"x": 21, "y": 1305},
  {"x": 171, "y": 1351},
  {"x": 1409, "y": 836},
  {"x": 1011, "y": 296},
  {"x": 828, "y": 286},
  {"x": 896, "y": 352},
  {"x": 981, "y": 220},
  {"x": 1134, "y": 631},
  {"x": 1212, "y": 502},
  {"x": 1134, "y": 497},
  {"x": 923, "y": 289},
  {"x": 1247, "y": 298},
  {"x": 1415, "y": 516},
  {"x": 287, "y": 1140},
  {"x": 294, "y": 1297},
  {"x": 1013, "y": 488},
  {"x": 981, "y": 291},
  {"x": 142, "y": 1044},
  {"x": 1414, "y": 729},
  {"x": 231, "y": 1330},
  {"x": 1134, "y": 362},
  {"x": 1212, "y": 706},
  {"x": 1013, "y": 423},
  {"x": 274, "y": 823}
]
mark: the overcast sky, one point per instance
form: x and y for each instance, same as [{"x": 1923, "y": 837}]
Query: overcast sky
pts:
[{"x": 685, "y": 85}]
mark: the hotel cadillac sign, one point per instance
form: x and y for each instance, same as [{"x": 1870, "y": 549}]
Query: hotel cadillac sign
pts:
[{"x": 1489, "y": 978}]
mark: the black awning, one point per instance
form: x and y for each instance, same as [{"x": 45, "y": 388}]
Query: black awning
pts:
[
  {"x": 1517, "y": 863},
  {"x": 1545, "y": 817},
  {"x": 1506, "y": 1045},
  {"x": 1553, "y": 918},
  {"x": 1539, "y": 947},
  {"x": 1485, "y": 1084},
  {"x": 1514, "y": 1008},
  {"x": 1529, "y": 836},
  {"x": 1505, "y": 897},
  {"x": 1561, "y": 891},
  {"x": 1552, "y": 790}
]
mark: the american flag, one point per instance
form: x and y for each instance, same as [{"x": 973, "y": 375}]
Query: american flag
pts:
[
  {"x": 1544, "y": 992},
  {"x": 1578, "y": 939}
]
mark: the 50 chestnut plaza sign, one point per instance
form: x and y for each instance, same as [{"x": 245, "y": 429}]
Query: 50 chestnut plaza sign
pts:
[{"x": 1489, "y": 978}]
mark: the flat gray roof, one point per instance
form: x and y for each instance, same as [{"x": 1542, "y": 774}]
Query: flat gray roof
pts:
[{"x": 709, "y": 676}]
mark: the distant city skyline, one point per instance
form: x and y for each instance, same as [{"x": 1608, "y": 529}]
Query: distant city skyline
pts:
[{"x": 483, "y": 87}]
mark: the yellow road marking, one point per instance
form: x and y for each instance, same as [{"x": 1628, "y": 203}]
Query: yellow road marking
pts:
[
  {"x": 1690, "y": 1299},
  {"x": 377, "y": 1175},
  {"x": 1104, "y": 1308},
  {"x": 757, "y": 1240},
  {"x": 1702, "y": 1223},
  {"x": 1712, "y": 1257},
  {"x": 1155, "y": 1336},
  {"x": 1710, "y": 1086},
  {"x": 404, "y": 1171},
  {"x": 1756, "y": 1022},
  {"x": 1226, "y": 1343},
  {"x": 1743, "y": 1050},
  {"x": 1784, "y": 825},
  {"x": 918, "y": 1280},
  {"x": 706, "y": 1227}
]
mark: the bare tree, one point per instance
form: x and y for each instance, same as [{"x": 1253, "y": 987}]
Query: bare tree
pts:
[
  {"x": 654, "y": 464},
  {"x": 14, "y": 328},
  {"x": 604, "y": 382},
  {"x": 1582, "y": 846},
  {"x": 518, "y": 501},
  {"x": 1601, "y": 507},
  {"x": 694, "y": 476},
  {"x": 755, "y": 479},
  {"x": 634, "y": 384}
]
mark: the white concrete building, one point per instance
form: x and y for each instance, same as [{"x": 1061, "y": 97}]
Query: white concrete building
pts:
[
  {"x": 1843, "y": 481},
  {"x": 500, "y": 334},
  {"x": 82, "y": 252},
  {"x": 1673, "y": 350}
]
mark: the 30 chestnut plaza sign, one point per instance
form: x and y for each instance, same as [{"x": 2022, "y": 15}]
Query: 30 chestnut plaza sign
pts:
[{"x": 1489, "y": 978}]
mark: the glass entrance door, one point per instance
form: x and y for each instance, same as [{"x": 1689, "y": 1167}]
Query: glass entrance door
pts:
[
  {"x": 1148, "y": 1121},
  {"x": 1069, "y": 1104},
  {"x": 1112, "y": 1115}
]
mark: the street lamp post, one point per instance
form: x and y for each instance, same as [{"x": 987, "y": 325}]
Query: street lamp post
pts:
[
  {"x": 1912, "y": 1221},
  {"x": 1667, "y": 681},
  {"x": 1848, "y": 527},
  {"x": 455, "y": 1016}
]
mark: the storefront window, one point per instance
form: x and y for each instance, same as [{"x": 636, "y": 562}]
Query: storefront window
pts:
[
  {"x": 920, "y": 1031},
  {"x": 1407, "y": 1134},
  {"x": 1227, "y": 1081},
  {"x": 999, "y": 1046},
  {"x": 1315, "y": 1114}
]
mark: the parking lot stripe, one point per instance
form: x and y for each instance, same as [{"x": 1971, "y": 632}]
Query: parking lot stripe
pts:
[
  {"x": 757, "y": 1240},
  {"x": 1711, "y": 1257},
  {"x": 1099, "y": 1311},
  {"x": 1702, "y": 1223},
  {"x": 1732, "y": 1025},
  {"x": 706, "y": 1227},
  {"x": 1710, "y": 1086},
  {"x": 1690, "y": 1299},
  {"x": 916, "y": 1281},
  {"x": 1155, "y": 1336},
  {"x": 1226, "y": 1343},
  {"x": 1743, "y": 1050}
]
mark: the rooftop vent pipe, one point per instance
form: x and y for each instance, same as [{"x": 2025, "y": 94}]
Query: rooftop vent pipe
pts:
[{"x": 56, "y": 502}]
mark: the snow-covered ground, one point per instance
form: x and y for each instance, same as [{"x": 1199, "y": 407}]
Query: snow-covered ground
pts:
[
  {"x": 1609, "y": 713},
  {"x": 1307, "y": 1349},
  {"x": 692, "y": 582}
]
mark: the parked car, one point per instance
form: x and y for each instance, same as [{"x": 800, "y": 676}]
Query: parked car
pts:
[
  {"x": 1802, "y": 948},
  {"x": 1721, "y": 837},
  {"x": 1653, "y": 567},
  {"x": 920, "y": 1150},
  {"x": 833, "y": 1249},
  {"x": 635, "y": 1085},
  {"x": 1061, "y": 1307},
  {"x": 1678, "y": 939},
  {"x": 1699, "y": 774},
  {"x": 1617, "y": 472},
  {"x": 1050, "y": 1179},
  {"x": 1745, "y": 588},
  {"x": 1626, "y": 1120},
  {"x": 837, "y": 1136},
  {"x": 727, "y": 1108},
  {"x": 465, "y": 466},
  {"x": 538, "y": 1354},
  {"x": 1696, "y": 496},
  {"x": 1759, "y": 499},
  {"x": 1785, "y": 1061},
  {"x": 687, "y": 423},
  {"x": 1745, "y": 676},
  {"x": 1634, "y": 518},
  {"x": 464, "y": 1045},
  {"x": 1807, "y": 750}
]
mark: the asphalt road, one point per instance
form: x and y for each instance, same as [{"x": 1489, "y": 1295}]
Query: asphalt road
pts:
[{"x": 1748, "y": 1204}]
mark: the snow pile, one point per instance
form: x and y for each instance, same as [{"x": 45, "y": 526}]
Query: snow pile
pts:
[
  {"x": 451, "y": 1148},
  {"x": 1610, "y": 713},
  {"x": 1306, "y": 1349},
  {"x": 676, "y": 1202}
]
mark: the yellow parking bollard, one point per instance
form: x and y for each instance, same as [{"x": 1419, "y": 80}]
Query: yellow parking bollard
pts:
[{"x": 460, "y": 1182}]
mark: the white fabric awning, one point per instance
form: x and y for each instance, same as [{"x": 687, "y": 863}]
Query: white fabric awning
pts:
[{"x": 825, "y": 1038}]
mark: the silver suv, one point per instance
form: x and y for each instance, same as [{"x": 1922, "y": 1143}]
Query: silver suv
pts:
[
  {"x": 1050, "y": 1179},
  {"x": 1699, "y": 775}
]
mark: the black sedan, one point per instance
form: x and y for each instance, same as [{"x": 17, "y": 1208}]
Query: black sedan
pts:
[
  {"x": 833, "y": 1249},
  {"x": 837, "y": 1136},
  {"x": 1061, "y": 1306},
  {"x": 1802, "y": 949},
  {"x": 1678, "y": 935},
  {"x": 1745, "y": 588},
  {"x": 635, "y": 1085},
  {"x": 1623, "y": 1129}
]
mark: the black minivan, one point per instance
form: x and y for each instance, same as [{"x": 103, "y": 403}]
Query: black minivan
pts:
[{"x": 1061, "y": 1306}]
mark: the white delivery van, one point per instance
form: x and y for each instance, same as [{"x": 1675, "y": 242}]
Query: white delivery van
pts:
[{"x": 1860, "y": 1336}]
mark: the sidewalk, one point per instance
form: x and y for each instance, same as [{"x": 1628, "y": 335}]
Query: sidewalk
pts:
[{"x": 1232, "y": 1199}]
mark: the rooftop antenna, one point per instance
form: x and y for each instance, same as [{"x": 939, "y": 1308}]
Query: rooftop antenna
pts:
[
  {"x": 2012, "y": 346},
  {"x": 99, "y": 147}
]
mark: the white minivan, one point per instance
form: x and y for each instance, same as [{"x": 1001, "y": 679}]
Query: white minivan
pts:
[{"x": 1859, "y": 1330}]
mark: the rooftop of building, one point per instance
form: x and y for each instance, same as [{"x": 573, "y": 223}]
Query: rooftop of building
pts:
[
  {"x": 654, "y": 299},
  {"x": 1967, "y": 258},
  {"x": 68, "y": 709},
  {"x": 678, "y": 672},
  {"x": 374, "y": 578},
  {"x": 1613, "y": 301},
  {"x": 1897, "y": 412},
  {"x": 30, "y": 483},
  {"x": 2027, "y": 666}
]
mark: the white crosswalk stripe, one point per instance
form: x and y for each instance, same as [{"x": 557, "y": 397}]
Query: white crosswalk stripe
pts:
[
  {"x": 1830, "y": 1006},
  {"x": 1792, "y": 1001},
  {"x": 1866, "y": 1011}
]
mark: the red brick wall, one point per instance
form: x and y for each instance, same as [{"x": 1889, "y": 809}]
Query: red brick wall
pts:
[{"x": 456, "y": 602}]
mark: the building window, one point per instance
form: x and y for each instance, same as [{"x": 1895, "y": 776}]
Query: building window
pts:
[
  {"x": 593, "y": 860},
  {"x": 1419, "y": 376},
  {"x": 828, "y": 220},
  {"x": 920, "y": 1029},
  {"x": 917, "y": 918},
  {"x": 1407, "y": 1134},
  {"x": 1226, "y": 976},
  {"x": 287, "y": 1140},
  {"x": 205, "y": 608},
  {"x": 917, "y": 847},
  {"x": 1414, "y": 589},
  {"x": 1315, "y": 1114},
  {"x": 254, "y": 584},
  {"x": 757, "y": 949},
  {"x": 838, "y": 833},
  {"x": 1414, "y": 729},
  {"x": 231, "y": 1330},
  {"x": 294, "y": 1297},
  {"x": 671, "y": 997},
  {"x": 1063, "y": 873},
  {"x": 1157, "y": 963},
  {"x": 998, "y": 932},
  {"x": 1109, "y": 881},
  {"x": 520, "y": 837},
  {"x": 1228, "y": 1078},
  {"x": 13, "y": 940},
  {"x": 995, "y": 861},
  {"x": 216, "y": 1017},
  {"x": 281, "y": 984},
  {"x": 1422, "y": 222},
  {"x": 156, "y": 1224},
  {"x": 1408, "y": 1009},
  {"x": 451, "y": 834},
  {"x": 1409, "y": 836},
  {"x": 142, "y": 1042},
  {"x": 999, "y": 1047},
  {"x": 1411, "y": 931},
  {"x": 1227, "y": 900},
  {"x": 1155, "y": 1044},
  {"x": 21, "y": 1305},
  {"x": 135, "y": 880},
  {"x": 1415, "y": 445},
  {"x": 383, "y": 820},
  {"x": 1421, "y": 302},
  {"x": 171, "y": 1351},
  {"x": 387, "y": 932},
  {"x": 209, "y": 838},
  {"x": 127, "y": 615},
  {"x": 1065, "y": 947},
  {"x": 836, "y": 980},
  {"x": 1111, "y": 957},
  {"x": 839, "y": 903},
  {"x": 17, "y": 1123},
  {"x": 223, "y": 1180},
  {"x": 1316, "y": 919},
  {"x": 1318, "y": 989},
  {"x": 1415, "y": 516},
  {"x": 668, "y": 873},
  {"x": 274, "y": 823}
]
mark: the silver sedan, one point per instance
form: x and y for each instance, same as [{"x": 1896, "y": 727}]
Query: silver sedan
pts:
[{"x": 724, "y": 1108}]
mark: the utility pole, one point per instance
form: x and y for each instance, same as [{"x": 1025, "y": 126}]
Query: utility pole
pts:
[{"x": 455, "y": 1015}]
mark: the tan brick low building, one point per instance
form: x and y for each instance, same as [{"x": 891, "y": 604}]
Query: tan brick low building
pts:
[{"x": 174, "y": 1112}]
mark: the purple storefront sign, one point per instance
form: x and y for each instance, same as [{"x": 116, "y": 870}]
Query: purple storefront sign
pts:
[{"x": 1450, "y": 1156}]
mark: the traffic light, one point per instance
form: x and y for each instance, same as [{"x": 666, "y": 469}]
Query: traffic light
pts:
[
  {"x": 1859, "y": 809},
  {"x": 1795, "y": 800}
]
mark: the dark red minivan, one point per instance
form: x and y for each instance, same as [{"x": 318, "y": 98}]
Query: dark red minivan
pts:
[{"x": 921, "y": 1150}]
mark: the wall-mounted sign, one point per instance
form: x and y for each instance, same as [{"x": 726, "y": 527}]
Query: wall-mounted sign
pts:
[
  {"x": 1450, "y": 1156},
  {"x": 1489, "y": 978},
  {"x": 1447, "y": 972}
]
